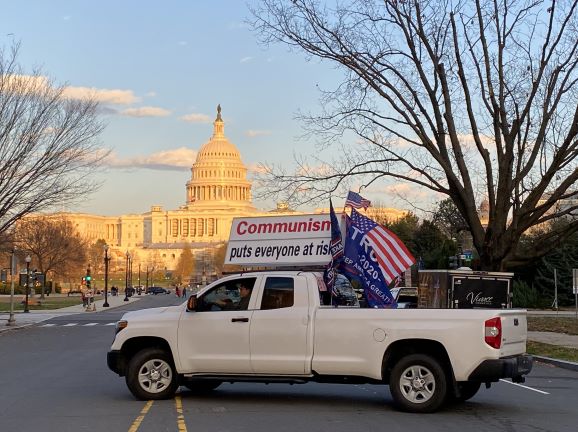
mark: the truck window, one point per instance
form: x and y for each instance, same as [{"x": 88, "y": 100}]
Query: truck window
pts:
[
  {"x": 227, "y": 296},
  {"x": 278, "y": 293}
]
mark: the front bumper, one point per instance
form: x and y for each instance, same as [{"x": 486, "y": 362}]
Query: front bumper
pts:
[
  {"x": 116, "y": 362},
  {"x": 511, "y": 367}
]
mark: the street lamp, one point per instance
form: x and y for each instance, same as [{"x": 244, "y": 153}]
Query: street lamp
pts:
[
  {"x": 126, "y": 277},
  {"x": 106, "y": 261},
  {"x": 27, "y": 259}
]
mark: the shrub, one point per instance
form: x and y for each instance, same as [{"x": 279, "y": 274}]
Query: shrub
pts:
[{"x": 525, "y": 296}]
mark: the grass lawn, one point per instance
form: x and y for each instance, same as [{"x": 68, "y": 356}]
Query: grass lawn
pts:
[
  {"x": 553, "y": 324},
  {"x": 552, "y": 351},
  {"x": 49, "y": 303}
]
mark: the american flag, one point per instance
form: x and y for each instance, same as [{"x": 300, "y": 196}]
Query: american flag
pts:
[
  {"x": 391, "y": 254},
  {"x": 356, "y": 201}
]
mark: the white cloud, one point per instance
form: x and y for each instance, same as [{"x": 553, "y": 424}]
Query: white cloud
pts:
[
  {"x": 146, "y": 111},
  {"x": 254, "y": 133},
  {"x": 41, "y": 83},
  {"x": 113, "y": 96},
  {"x": 28, "y": 82},
  {"x": 246, "y": 59},
  {"x": 180, "y": 159},
  {"x": 196, "y": 118}
]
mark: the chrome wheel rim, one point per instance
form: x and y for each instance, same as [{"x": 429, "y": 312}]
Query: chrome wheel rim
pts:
[
  {"x": 417, "y": 384},
  {"x": 155, "y": 375}
]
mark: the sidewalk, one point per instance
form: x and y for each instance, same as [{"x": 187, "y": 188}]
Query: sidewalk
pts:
[{"x": 36, "y": 316}]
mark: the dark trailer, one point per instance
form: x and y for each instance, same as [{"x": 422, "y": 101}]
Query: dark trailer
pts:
[{"x": 462, "y": 289}]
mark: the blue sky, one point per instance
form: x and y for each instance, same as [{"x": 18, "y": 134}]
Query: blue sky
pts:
[{"x": 160, "y": 70}]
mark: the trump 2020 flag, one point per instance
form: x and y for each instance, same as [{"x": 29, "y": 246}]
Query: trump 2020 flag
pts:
[
  {"x": 355, "y": 200},
  {"x": 375, "y": 256},
  {"x": 336, "y": 249}
]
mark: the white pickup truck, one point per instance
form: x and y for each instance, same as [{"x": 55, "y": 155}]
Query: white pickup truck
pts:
[{"x": 279, "y": 330}]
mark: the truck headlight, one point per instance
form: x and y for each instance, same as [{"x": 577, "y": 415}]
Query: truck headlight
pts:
[{"x": 120, "y": 325}]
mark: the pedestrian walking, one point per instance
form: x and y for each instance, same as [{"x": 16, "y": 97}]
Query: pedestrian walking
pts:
[
  {"x": 178, "y": 291},
  {"x": 185, "y": 292}
]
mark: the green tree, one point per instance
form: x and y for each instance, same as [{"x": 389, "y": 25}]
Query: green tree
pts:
[
  {"x": 473, "y": 100},
  {"x": 433, "y": 246},
  {"x": 448, "y": 219}
]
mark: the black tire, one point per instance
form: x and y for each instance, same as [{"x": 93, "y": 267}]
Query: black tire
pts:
[
  {"x": 467, "y": 389},
  {"x": 151, "y": 375},
  {"x": 418, "y": 384},
  {"x": 202, "y": 386}
]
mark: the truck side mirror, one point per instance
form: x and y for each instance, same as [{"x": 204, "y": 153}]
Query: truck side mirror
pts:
[{"x": 192, "y": 303}]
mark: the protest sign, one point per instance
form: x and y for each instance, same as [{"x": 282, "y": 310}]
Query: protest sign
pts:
[{"x": 292, "y": 240}]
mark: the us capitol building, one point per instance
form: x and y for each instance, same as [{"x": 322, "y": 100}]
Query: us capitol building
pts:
[{"x": 217, "y": 192}]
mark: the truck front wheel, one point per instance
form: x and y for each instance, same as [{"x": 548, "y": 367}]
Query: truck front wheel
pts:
[
  {"x": 151, "y": 375},
  {"x": 418, "y": 384}
]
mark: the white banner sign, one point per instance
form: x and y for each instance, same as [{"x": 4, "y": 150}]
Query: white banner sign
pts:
[
  {"x": 574, "y": 281},
  {"x": 280, "y": 240}
]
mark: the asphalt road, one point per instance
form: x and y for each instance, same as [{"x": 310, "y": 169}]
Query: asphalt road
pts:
[{"x": 54, "y": 378}]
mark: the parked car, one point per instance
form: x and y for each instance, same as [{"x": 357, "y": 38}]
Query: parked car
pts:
[
  {"x": 157, "y": 290},
  {"x": 405, "y": 297}
]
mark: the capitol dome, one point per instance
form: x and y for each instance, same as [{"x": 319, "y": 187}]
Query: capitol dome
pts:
[{"x": 218, "y": 175}]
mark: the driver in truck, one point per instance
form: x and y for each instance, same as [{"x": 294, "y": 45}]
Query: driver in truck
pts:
[{"x": 243, "y": 304}]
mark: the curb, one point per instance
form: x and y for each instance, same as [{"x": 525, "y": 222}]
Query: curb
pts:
[{"x": 558, "y": 363}]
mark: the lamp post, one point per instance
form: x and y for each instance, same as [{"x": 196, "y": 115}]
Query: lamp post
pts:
[
  {"x": 11, "y": 320},
  {"x": 126, "y": 277},
  {"x": 139, "y": 286},
  {"x": 27, "y": 259},
  {"x": 106, "y": 261},
  {"x": 130, "y": 284}
]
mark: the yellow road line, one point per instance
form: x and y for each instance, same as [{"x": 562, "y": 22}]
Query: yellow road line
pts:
[
  {"x": 135, "y": 425},
  {"x": 180, "y": 417}
]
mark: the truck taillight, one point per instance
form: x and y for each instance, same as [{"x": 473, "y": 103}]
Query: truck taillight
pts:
[{"x": 493, "y": 332}]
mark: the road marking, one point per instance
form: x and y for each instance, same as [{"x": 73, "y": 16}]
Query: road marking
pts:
[
  {"x": 89, "y": 324},
  {"x": 69, "y": 325},
  {"x": 180, "y": 417},
  {"x": 136, "y": 423},
  {"x": 48, "y": 325},
  {"x": 523, "y": 386},
  {"x": 110, "y": 324}
]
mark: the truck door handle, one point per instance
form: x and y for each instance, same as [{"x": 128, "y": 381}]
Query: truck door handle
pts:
[{"x": 239, "y": 319}]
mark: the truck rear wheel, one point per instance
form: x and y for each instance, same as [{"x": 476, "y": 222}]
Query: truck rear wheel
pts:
[
  {"x": 418, "y": 384},
  {"x": 151, "y": 375}
]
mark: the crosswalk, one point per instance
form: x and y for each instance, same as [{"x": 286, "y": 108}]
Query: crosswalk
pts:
[{"x": 77, "y": 324}]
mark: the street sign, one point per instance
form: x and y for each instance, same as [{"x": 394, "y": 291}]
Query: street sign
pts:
[{"x": 574, "y": 281}]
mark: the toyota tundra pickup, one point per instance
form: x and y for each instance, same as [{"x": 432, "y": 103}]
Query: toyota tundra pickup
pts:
[{"x": 286, "y": 332}]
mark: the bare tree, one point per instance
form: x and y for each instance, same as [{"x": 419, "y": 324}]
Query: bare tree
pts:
[
  {"x": 471, "y": 100},
  {"x": 53, "y": 244},
  {"x": 48, "y": 143},
  {"x": 185, "y": 265}
]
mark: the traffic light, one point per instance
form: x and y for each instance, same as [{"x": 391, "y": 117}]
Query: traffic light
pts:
[{"x": 88, "y": 278}]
